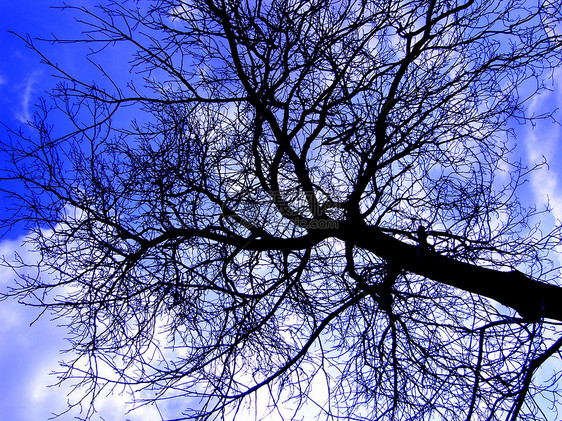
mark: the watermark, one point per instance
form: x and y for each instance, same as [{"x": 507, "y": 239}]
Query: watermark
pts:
[{"x": 319, "y": 224}]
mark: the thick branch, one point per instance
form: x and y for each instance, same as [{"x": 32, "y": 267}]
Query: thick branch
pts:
[{"x": 532, "y": 299}]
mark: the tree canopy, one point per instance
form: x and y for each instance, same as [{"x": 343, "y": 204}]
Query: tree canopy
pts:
[{"x": 297, "y": 204}]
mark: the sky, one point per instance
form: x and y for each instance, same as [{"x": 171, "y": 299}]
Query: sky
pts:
[{"x": 29, "y": 352}]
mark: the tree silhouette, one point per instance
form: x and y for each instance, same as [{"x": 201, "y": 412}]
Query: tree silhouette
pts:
[{"x": 294, "y": 199}]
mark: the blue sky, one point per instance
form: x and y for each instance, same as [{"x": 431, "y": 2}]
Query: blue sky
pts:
[{"x": 29, "y": 353}]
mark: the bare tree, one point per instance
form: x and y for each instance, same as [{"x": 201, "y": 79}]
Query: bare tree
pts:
[{"x": 299, "y": 194}]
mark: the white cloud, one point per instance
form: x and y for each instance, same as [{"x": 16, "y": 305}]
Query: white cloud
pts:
[
  {"x": 26, "y": 97},
  {"x": 543, "y": 140},
  {"x": 30, "y": 352}
]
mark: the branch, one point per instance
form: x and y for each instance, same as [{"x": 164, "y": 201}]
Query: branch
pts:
[{"x": 532, "y": 299}]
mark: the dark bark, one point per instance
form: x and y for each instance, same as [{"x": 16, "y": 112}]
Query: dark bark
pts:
[{"x": 532, "y": 299}]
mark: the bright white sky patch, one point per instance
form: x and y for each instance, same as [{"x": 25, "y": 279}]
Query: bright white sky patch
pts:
[
  {"x": 24, "y": 370},
  {"x": 28, "y": 354},
  {"x": 543, "y": 142}
]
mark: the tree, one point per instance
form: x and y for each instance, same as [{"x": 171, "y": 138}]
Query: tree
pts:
[{"x": 299, "y": 195}]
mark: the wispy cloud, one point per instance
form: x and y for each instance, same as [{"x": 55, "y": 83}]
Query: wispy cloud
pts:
[
  {"x": 543, "y": 141},
  {"x": 23, "y": 114}
]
